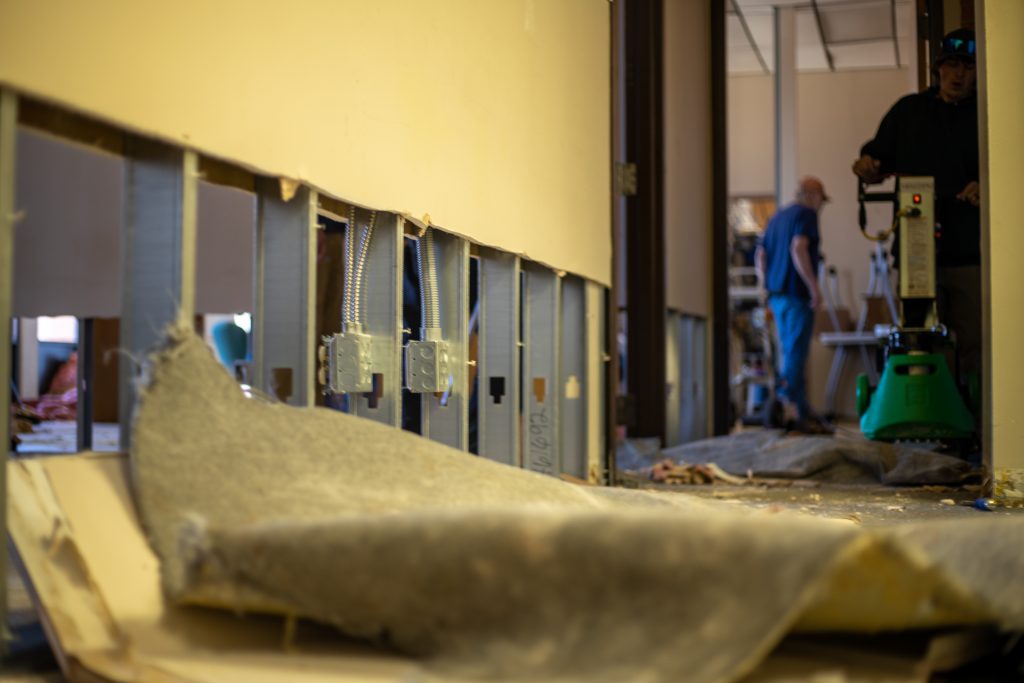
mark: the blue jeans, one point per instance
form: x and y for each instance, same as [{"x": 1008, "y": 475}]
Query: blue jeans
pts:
[{"x": 794, "y": 321}]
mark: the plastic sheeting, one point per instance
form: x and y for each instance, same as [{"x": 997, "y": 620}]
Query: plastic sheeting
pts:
[{"x": 774, "y": 455}]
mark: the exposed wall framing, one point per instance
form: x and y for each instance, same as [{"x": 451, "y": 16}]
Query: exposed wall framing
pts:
[{"x": 543, "y": 335}]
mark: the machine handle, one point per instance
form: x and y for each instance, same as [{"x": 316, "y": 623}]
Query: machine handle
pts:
[{"x": 863, "y": 197}]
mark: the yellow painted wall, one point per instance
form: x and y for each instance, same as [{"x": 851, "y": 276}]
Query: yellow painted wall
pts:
[
  {"x": 1003, "y": 103},
  {"x": 490, "y": 116}
]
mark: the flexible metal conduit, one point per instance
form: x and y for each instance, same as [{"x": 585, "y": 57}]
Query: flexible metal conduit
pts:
[
  {"x": 364, "y": 249},
  {"x": 349, "y": 277},
  {"x": 427, "y": 266}
]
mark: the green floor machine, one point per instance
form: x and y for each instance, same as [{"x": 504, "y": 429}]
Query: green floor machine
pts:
[{"x": 918, "y": 398}]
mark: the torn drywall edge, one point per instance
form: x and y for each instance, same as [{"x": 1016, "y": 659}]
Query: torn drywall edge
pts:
[
  {"x": 464, "y": 149},
  {"x": 1009, "y": 484},
  {"x": 289, "y": 185},
  {"x": 75, "y": 615}
]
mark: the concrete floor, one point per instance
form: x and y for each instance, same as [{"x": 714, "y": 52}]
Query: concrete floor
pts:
[{"x": 868, "y": 505}]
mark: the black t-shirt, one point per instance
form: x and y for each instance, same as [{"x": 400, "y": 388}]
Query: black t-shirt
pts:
[{"x": 923, "y": 135}]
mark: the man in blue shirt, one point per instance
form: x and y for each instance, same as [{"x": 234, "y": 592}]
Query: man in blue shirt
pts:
[{"x": 787, "y": 259}]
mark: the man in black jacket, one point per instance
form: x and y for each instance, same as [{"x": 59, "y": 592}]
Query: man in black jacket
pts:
[{"x": 935, "y": 133}]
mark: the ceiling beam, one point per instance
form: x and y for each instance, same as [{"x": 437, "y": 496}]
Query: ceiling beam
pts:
[
  {"x": 895, "y": 36},
  {"x": 821, "y": 35},
  {"x": 750, "y": 37},
  {"x": 861, "y": 41}
]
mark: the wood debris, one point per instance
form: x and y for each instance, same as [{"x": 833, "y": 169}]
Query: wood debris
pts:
[{"x": 669, "y": 472}]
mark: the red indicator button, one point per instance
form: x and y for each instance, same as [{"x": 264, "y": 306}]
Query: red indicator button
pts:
[{"x": 917, "y": 199}]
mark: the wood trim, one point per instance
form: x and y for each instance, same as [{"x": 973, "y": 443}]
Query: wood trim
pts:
[
  {"x": 645, "y": 236},
  {"x": 721, "y": 409}
]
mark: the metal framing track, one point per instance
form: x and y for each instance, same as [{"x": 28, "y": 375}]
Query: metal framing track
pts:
[
  {"x": 158, "y": 244},
  {"x": 498, "y": 365},
  {"x": 573, "y": 379},
  {"x": 446, "y": 416},
  {"x": 556, "y": 352},
  {"x": 382, "y": 320},
  {"x": 542, "y": 338},
  {"x": 598, "y": 367},
  {"x": 284, "y": 322}
]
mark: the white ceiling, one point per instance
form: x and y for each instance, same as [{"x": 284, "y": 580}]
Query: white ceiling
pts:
[{"x": 859, "y": 34}]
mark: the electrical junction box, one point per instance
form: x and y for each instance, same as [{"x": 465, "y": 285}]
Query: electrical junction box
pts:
[
  {"x": 349, "y": 368},
  {"x": 917, "y": 237},
  {"x": 427, "y": 367}
]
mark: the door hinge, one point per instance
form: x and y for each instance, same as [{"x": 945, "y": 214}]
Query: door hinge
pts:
[{"x": 625, "y": 178}]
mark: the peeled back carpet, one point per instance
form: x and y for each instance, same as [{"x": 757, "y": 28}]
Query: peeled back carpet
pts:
[{"x": 490, "y": 572}]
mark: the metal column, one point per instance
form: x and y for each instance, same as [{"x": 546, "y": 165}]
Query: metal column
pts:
[
  {"x": 8, "y": 135},
  {"x": 284, "y": 323},
  {"x": 446, "y": 417},
  {"x": 498, "y": 364},
  {"x": 382, "y": 306},
  {"x": 785, "y": 105},
  {"x": 158, "y": 243},
  {"x": 573, "y": 379},
  {"x": 542, "y": 335}
]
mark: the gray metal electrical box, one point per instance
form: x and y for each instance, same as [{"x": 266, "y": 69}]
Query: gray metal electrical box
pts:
[
  {"x": 427, "y": 366},
  {"x": 349, "y": 369}
]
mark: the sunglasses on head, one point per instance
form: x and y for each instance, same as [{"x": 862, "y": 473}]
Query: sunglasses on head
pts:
[{"x": 958, "y": 46}]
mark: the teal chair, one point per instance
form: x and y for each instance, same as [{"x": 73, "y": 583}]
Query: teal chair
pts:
[{"x": 231, "y": 342}]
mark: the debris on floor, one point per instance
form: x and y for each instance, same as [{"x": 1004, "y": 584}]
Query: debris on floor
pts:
[
  {"x": 774, "y": 455},
  {"x": 668, "y": 472}
]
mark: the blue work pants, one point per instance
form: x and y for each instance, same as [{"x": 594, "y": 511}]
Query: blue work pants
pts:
[{"x": 794, "y": 321}]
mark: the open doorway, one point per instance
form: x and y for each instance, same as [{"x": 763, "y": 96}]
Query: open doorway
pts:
[{"x": 807, "y": 86}]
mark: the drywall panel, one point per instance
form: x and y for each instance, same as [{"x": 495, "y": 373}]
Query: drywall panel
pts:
[
  {"x": 67, "y": 244},
  {"x": 1003, "y": 104},
  {"x": 490, "y": 117},
  {"x": 225, "y": 250},
  {"x": 687, "y": 106}
]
